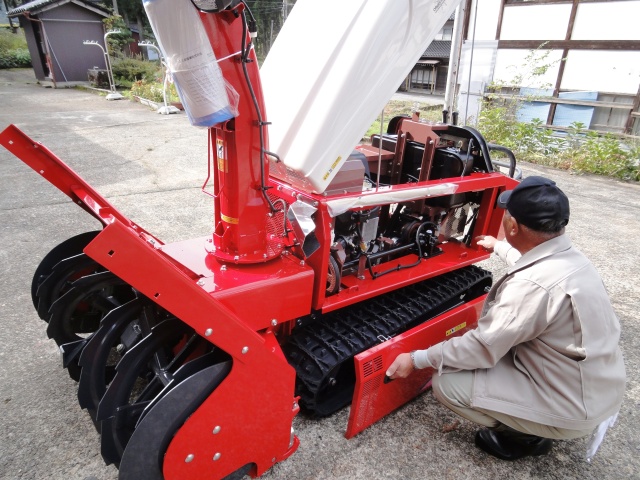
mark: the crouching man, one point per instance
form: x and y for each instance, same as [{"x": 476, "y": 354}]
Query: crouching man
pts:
[{"x": 544, "y": 361}]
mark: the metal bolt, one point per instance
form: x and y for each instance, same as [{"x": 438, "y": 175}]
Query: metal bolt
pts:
[
  {"x": 223, "y": 268},
  {"x": 120, "y": 348},
  {"x": 208, "y": 332},
  {"x": 264, "y": 255},
  {"x": 315, "y": 204},
  {"x": 274, "y": 322},
  {"x": 216, "y": 430},
  {"x": 190, "y": 457},
  {"x": 216, "y": 456},
  {"x": 245, "y": 350},
  {"x": 302, "y": 263},
  {"x": 201, "y": 282}
]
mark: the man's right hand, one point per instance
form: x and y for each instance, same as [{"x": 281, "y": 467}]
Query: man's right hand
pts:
[
  {"x": 487, "y": 242},
  {"x": 401, "y": 367}
]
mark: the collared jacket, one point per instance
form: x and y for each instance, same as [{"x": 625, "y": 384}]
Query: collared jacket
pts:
[{"x": 546, "y": 345}]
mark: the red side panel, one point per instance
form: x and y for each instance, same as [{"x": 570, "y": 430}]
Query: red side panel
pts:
[
  {"x": 254, "y": 409},
  {"x": 372, "y": 398},
  {"x": 279, "y": 290}
]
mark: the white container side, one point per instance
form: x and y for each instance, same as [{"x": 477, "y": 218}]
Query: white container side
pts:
[{"x": 332, "y": 69}]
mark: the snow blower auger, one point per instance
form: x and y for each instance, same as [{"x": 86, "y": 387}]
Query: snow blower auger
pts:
[{"x": 324, "y": 263}]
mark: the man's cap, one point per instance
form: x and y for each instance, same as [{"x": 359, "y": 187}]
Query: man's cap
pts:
[{"x": 534, "y": 201}]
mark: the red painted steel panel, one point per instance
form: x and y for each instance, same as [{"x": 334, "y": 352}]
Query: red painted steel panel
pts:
[
  {"x": 372, "y": 398},
  {"x": 242, "y": 212},
  {"x": 254, "y": 409},
  {"x": 280, "y": 289},
  {"x": 258, "y": 363}
]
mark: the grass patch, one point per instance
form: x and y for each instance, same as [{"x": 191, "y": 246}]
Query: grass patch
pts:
[
  {"x": 430, "y": 113},
  {"x": 13, "y": 50}
]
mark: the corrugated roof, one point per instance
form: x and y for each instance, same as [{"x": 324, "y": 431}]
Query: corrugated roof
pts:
[
  {"x": 36, "y": 5},
  {"x": 438, "y": 49}
]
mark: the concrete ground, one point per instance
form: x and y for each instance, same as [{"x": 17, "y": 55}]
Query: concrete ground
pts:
[{"x": 151, "y": 167}]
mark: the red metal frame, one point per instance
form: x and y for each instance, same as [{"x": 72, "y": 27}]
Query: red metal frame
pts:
[
  {"x": 241, "y": 211},
  {"x": 258, "y": 361},
  {"x": 454, "y": 255}
]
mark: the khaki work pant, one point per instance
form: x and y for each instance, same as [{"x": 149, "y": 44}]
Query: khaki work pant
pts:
[{"x": 454, "y": 391}]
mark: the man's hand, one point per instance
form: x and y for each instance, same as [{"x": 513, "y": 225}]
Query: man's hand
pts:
[
  {"x": 401, "y": 367},
  {"x": 487, "y": 242}
]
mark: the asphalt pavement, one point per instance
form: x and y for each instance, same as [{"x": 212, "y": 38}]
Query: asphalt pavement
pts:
[{"x": 151, "y": 167}]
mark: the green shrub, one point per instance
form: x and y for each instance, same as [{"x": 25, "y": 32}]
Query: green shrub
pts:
[
  {"x": 18, "y": 58},
  {"x": 13, "y": 50},
  {"x": 132, "y": 69},
  {"x": 605, "y": 155},
  {"x": 580, "y": 150}
]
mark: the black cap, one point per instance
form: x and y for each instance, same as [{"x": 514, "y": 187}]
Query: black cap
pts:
[{"x": 534, "y": 201}]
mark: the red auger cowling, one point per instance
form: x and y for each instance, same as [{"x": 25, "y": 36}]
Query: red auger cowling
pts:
[{"x": 304, "y": 297}]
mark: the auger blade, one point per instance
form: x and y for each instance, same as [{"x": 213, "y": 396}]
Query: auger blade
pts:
[{"x": 144, "y": 453}]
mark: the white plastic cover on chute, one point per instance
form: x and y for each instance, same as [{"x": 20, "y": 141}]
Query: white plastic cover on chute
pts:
[
  {"x": 332, "y": 69},
  {"x": 191, "y": 61}
]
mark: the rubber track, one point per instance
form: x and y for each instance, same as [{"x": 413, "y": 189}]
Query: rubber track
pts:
[{"x": 317, "y": 350}]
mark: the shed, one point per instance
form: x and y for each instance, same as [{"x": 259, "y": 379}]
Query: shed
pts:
[{"x": 55, "y": 30}]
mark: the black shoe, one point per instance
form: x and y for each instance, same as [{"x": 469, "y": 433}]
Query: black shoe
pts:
[{"x": 507, "y": 446}]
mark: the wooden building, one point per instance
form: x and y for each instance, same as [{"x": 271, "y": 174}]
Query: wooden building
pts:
[
  {"x": 55, "y": 30},
  {"x": 430, "y": 72},
  {"x": 587, "y": 52}
]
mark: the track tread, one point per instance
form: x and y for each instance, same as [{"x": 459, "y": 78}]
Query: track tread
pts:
[{"x": 319, "y": 349}]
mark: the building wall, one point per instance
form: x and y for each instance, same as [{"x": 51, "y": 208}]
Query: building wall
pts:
[
  {"x": 66, "y": 27},
  {"x": 36, "y": 59},
  {"x": 585, "y": 46}
]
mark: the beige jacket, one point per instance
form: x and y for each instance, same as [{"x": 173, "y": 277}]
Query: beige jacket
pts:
[{"x": 546, "y": 346}]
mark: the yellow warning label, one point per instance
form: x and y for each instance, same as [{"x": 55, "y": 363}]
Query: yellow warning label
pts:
[
  {"x": 222, "y": 161},
  {"x": 333, "y": 166},
  {"x": 231, "y": 220},
  {"x": 453, "y": 330}
]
